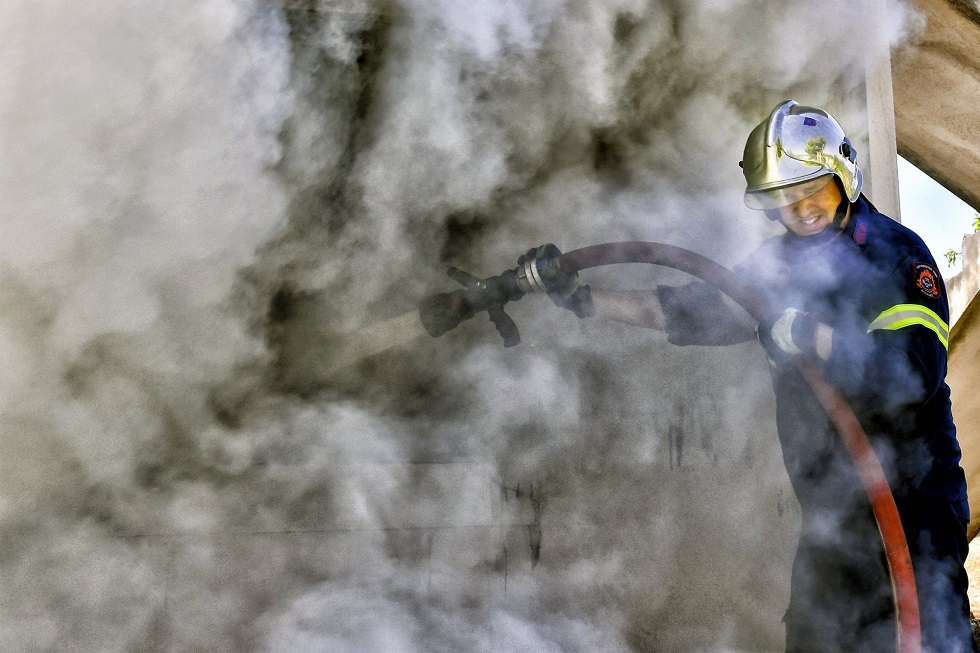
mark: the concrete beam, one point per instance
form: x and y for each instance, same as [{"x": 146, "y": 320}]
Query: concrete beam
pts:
[{"x": 937, "y": 92}]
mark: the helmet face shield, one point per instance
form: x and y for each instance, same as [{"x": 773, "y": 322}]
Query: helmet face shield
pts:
[{"x": 775, "y": 198}]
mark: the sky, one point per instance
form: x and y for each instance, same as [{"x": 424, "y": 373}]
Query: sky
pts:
[{"x": 938, "y": 216}]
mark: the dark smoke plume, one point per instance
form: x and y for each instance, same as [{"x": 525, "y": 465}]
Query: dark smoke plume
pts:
[{"x": 202, "y": 201}]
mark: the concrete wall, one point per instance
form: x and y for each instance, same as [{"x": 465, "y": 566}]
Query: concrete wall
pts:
[
  {"x": 964, "y": 380},
  {"x": 963, "y": 287}
]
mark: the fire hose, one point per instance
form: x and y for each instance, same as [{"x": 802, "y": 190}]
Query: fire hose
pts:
[{"x": 443, "y": 312}]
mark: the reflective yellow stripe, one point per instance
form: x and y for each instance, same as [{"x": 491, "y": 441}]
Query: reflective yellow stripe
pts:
[{"x": 903, "y": 315}]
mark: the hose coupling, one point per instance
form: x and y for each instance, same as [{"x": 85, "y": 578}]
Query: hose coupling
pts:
[{"x": 529, "y": 277}]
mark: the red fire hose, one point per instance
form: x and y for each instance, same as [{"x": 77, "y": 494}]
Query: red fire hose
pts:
[{"x": 872, "y": 475}]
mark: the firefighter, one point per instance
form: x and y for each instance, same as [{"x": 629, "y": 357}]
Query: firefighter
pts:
[{"x": 859, "y": 294}]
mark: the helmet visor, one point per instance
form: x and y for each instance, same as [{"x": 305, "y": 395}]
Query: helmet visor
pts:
[{"x": 774, "y": 198}]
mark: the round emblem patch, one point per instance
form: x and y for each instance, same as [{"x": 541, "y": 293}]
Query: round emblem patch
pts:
[{"x": 927, "y": 280}]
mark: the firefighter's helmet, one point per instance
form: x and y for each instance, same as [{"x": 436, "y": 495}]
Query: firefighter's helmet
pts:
[{"x": 788, "y": 152}]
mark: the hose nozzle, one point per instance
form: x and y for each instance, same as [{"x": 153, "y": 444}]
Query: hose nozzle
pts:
[{"x": 444, "y": 312}]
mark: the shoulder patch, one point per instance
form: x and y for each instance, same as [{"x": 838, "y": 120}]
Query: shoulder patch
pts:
[
  {"x": 861, "y": 232},
  {"x": 926, "y": 279}
]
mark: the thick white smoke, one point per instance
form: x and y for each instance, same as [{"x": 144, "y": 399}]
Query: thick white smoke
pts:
[{"x": 196, "y": 196}]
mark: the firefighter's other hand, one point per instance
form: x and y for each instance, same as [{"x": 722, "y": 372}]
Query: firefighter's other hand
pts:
[
  {"x": 787, "y": 335},
  {"x": 565, "y": 289}
]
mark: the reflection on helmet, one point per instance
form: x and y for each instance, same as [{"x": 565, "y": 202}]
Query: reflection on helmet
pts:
[{"x": 794, "y": 146}]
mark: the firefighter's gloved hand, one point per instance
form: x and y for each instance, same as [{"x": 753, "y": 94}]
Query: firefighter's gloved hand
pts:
[
  {"x": 565, "y": 289},
  {"x": 787, "y": 335}
]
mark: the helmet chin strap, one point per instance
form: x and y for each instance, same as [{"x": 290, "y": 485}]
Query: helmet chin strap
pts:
[{"x": 840, "y": 217}]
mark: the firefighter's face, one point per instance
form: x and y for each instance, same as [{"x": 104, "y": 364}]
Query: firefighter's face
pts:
[{"x": 811, "y": 215}]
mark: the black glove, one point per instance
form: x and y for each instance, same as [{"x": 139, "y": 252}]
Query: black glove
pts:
[
  {"x": 788, "y": 334},
  {"x": 565, "y": 289}
]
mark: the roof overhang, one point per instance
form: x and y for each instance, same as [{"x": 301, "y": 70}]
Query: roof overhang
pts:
[{"x": 937, "y": 97}]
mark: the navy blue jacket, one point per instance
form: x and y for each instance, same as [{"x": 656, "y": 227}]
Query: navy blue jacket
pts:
[{"x": 877, "y": 285}]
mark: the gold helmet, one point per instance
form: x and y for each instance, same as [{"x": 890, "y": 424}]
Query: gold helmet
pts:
[{"x": 791, "y": 155}]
